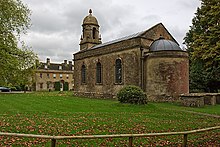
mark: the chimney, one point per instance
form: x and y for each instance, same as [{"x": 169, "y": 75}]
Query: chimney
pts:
[
  {"x": 65, "y": 62},
  {"x": 48, "y": 61},
  {"x": 70, "y": 65}
]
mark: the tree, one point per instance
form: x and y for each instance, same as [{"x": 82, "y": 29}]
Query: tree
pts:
[
  {"x": 14, "y": 60},
  {"x": 203, "y": 44}
]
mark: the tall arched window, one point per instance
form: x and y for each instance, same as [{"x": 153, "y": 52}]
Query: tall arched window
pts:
[
  {"x": 83, "y": 74},
  {"x": 118, "y": 71},
  {"x": 98, "y": 73},
  {"x": 93, "y": 33}
]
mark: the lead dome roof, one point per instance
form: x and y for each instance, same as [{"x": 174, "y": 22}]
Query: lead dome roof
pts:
[
  {"x": 164, "y": 45},
  {"x": 90, "y": 19}
]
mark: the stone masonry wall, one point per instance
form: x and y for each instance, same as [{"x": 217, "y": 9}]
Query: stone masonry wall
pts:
[
  {"x": 166, "y": 73},
  {"x": 47, "y": 76},
  {"x": 130, "y": 68},
  {"x": 200, "y": 99}
]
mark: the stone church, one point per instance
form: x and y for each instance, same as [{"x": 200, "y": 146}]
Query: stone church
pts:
[{"x": 151, "y": 59}]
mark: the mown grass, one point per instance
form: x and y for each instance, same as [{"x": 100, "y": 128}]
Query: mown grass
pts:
[{"x": 63, "y": 114}]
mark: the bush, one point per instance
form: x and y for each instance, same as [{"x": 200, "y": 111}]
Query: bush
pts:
[{"x": 132, "y": 94}]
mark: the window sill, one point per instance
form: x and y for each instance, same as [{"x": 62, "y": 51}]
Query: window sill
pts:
[
  {"x": 98, "y": 83},
  {"x": 119, "y": 83}
]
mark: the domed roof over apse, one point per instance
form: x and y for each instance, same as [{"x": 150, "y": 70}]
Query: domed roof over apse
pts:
[
  {"x": 90, "y": 19},
  {"x": 164, "y": 45}
]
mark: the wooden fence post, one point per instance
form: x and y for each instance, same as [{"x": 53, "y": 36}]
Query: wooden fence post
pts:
[
  {"x": 185, "y": 140},
  {"x": 53, "y": 142},
  {"x": 130, "y": 141}
]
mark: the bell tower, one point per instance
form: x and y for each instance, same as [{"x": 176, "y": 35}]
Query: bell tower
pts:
[{"x": 90, "y": 32}]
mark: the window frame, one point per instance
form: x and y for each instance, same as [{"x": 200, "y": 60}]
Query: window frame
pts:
[
  {"x": 98, "y": 73},
  {"x": 118, "y": 71},
  {"x": 93, "y": 33},
  {"x": 83, "y": 74}
]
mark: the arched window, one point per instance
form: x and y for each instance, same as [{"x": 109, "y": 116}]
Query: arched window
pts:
[
  {"x": 93, "y": 32},
  {"x": 98, "y": 73},
  {"x": 118, "y": 71},
  {"x": 83, "y": 74}
]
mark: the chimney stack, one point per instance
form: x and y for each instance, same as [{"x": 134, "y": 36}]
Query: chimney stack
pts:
[
  {"x": 48, "y": 61},
  {"x": 70, "y": 65},
  {"x": 65, "y": 62}
]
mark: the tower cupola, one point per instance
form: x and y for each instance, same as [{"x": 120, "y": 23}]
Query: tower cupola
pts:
[{"x": 90, "y": 32}]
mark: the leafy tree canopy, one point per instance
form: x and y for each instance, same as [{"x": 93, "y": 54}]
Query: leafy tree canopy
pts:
[
  {"x": 14, "y": 60},
  {"x": 203, "y": 43}
]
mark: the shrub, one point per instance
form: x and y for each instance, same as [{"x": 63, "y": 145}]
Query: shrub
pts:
[{"x": 132, "y": 94}]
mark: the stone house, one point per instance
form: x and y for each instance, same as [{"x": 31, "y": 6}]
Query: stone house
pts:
[
  {"x": 53, "y": 76},
  {"x": 151, "y": 59}
]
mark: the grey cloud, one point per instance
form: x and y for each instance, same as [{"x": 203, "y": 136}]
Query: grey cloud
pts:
[
  {"x": 57, "y": 24},
  {"x": 178, "y": 33},
  {"x": 188, "y": 4},
  {"x": 106, "y": 13},
  {"x": 47, "y": 23}
]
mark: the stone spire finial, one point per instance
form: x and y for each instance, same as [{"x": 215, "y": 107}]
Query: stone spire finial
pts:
[{"x": 90, "y": 11}]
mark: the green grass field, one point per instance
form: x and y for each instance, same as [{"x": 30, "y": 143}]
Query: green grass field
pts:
[{"x": 63, "y": 114}]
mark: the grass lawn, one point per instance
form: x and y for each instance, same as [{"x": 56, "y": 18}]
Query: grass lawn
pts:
[{"x": 63, "y": 114}]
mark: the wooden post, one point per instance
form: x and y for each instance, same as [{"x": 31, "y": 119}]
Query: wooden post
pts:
[
  {"x": 130, "y": 141},
  {"x": 185, "y": 140},
  {"x": 53, "y": 142}
]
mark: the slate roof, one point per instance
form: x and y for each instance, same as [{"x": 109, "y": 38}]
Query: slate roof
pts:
[
  {"x": 135, "y": 35},
  {"x": 55, "y": 66},
  {"x": 118, "y": 40}
]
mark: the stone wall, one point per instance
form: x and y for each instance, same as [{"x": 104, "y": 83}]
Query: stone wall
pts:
[
  {"x": 157, "y": 31},
  {"x": 200, "y": 99},
  {"x": 130, "y": 73},
  {"x": 194, "y": 101},
  {"x": 108, "y": 49},
  {"x": 45, "y": 77},
  {"x": 166, "y": 74}
]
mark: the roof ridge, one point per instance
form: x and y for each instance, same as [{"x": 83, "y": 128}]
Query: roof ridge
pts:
[
  {"x": 134, "y": 35},
  {"x": 152, "y": 28}
]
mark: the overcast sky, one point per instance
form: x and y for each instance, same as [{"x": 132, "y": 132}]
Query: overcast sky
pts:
[{"x": 56, "y": 24}]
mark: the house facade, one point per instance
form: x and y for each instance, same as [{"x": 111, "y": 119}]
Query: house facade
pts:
[
  {"x": 151, "y": 59},
  {"x": 52, "y": 76}
]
